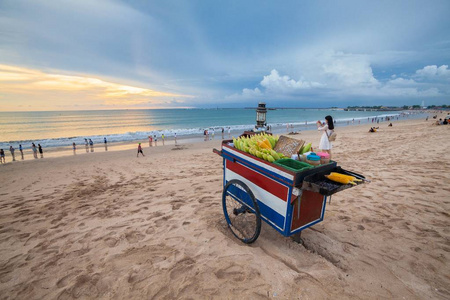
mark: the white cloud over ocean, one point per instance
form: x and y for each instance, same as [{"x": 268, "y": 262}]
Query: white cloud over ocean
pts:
[{"x": 345, "y": 77}]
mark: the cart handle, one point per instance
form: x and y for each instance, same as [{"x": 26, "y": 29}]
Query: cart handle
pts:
[{"x": 217, "y": 152}]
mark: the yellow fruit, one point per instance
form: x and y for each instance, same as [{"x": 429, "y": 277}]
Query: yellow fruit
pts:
[
  {"x": 340, "y": 179},
  {"x": 352, "y": 178},
  {"x": 275, "y": 155},
  {"x": 264, "y": 145}
]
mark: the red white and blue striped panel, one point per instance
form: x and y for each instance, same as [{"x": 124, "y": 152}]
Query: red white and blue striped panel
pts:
[{"x": 272, "y": 196}]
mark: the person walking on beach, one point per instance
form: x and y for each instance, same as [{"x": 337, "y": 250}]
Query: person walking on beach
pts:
[
  {"x": 11, "y": 149},
  {"x": 33, "y": 147},
  {"x": 74, "y": 147},
  {"x": 162, "y": 137},
  {"x": 229, "y": 132},
  {"x": 21, "y": 150},
  {"x": 106, "y": 143},
  {"x": 156, "y": 140},
  {"x": 327, "y": 128},
  {"x": 40, "y": 151},
  {"x": 86, "y": 144},
  {"x": 140, "y": 150},
  {"x": 175, "y": 136},
  {"x": 150, "y": 140},
  {"x": 222, "y": 133},
  {"x": 2, "y": 157},
  {"x": 91, "y": 145}
]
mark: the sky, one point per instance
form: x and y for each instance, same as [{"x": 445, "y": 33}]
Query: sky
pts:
[{"x": 84, "y": 54}]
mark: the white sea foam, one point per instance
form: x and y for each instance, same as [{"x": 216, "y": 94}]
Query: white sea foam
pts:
[{"x": 169, "y": 133}]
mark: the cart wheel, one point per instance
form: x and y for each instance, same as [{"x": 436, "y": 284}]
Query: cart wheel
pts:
[{"x": 241, "y": 211}]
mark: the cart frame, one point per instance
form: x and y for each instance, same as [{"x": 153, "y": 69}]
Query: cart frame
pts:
[{"x": 282, "y": 202}]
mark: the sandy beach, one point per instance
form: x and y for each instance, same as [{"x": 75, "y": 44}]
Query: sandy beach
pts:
[{"x": 109, "y": 225}]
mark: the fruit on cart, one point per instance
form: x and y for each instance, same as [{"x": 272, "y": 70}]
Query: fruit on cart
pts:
[
  {"x": 259, "y": 145},
  {"x": 272, "y": 141},
  {"x": 265, "y": 144},
  {"x": 352, "y": 178},
  {"x": 305, "y": 148},
  {"x": 275, "y": 155},
  {"x": 341, "y": 178}
]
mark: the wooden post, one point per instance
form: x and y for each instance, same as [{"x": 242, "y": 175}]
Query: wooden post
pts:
[{"x": 297, "y": 237}]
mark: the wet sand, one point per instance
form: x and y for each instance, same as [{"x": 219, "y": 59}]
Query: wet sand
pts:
[{"x": 112, "y": 226}]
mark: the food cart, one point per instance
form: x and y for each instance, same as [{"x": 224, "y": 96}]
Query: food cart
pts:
[{"x": 287, "y": 200}]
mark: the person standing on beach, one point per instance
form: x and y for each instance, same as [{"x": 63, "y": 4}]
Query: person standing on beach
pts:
[
  {"x": 162, "y": 137},
  {"x": 150, "y": 140},
  {"x": 175, "y": 136},
  {"x": 327, "y": 128},
  {"x": 74, "y": 147},
  {"x": 212, "y": 133},
  {"x": 21, "y": 150},
  {"x": 222, "y": 133},
  {"x": 140, "y": 150},
  {"x": 86, "y": 144},
  {"x": 156, "y": 140},
  {"x": 33, "y": 147},
  {"x": 229, "y": 132},
  {"x": 106, "y": 143},
  {"x": 2, "y": 157},
  {"x": 40, "y": 151},
  {"x": 91, "y": 144},
  {"x": 11, "y": 149}
]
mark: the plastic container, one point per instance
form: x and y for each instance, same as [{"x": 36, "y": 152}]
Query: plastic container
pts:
[
  {"x": 313, "y": 159},
  {"x": 294, "y": 157},
  {"x": 293, "y": 165},
  {"x": 324, "y": 158},
  {"x": 304, "y": 155}
]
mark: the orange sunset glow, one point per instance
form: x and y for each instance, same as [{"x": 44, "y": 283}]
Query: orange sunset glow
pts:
[{"x": 30, "y": 89}]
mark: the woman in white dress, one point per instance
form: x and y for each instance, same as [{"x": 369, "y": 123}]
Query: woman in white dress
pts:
[{"x": 327, "y": 128}]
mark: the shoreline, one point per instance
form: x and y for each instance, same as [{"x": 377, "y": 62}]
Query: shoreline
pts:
[
  {"x": 57, "y": 138},
  {"x": 170, "y": 142}
]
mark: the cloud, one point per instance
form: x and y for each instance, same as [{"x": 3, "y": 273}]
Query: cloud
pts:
[
  {"x": 433, "y": 72},
  {"x": 348, "y": 70},
  {"x": 401, "y": 82},
  {"x": 347, "y": 76},
  {"x": 284, "y": 84},
  {"x": 39, "y": 86},
  {"x": 211, "y": 50}
]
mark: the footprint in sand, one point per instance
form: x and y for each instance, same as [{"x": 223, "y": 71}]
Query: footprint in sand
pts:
[
  {"x": 162, "y": 221},
  {"x": 181, "y": 268},
  {"x": 85, "y": 287},
  {"x": 176, "y": 206},
  {"x": 233, "y": 272},
  {"x": 134, "y": 236},
  {"x": 111, "y": 242},
  {"x": 66, "y": 279}
]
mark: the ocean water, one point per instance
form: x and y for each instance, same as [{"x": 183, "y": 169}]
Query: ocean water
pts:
[{"x": 62, "y": 128}]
